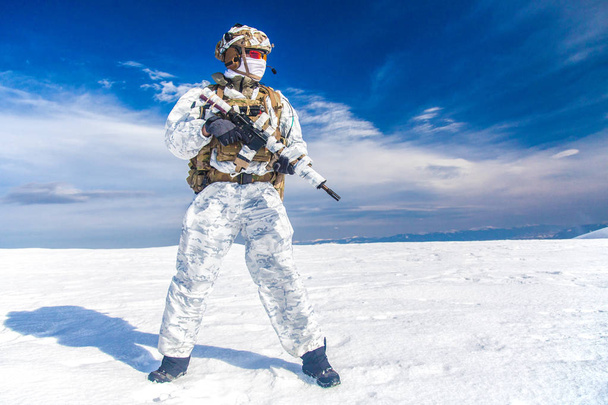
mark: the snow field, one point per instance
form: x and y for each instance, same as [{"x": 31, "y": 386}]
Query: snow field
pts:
[{"x": 507, "y": 322}]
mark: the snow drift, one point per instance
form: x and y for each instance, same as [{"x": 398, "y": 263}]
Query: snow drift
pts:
[{"x": 599, "y": 234}]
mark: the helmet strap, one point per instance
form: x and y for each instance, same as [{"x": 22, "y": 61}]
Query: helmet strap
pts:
[{"x": 247, "y": 72}]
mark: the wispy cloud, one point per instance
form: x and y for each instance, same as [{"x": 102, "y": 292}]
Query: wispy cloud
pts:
[
  {"x": 153, "y": 73},
  {"x": 431, "y": 121},
  {"x": 566, "y": 153},
  {"x": 428, "y": 114},
  {"x": 587, "y": 32},
  {"x": 166, "y": 91},
  {"x": 62, "y": 193}
]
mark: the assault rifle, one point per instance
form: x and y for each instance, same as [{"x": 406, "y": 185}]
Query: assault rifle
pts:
[{"x": 257, "y": 138}]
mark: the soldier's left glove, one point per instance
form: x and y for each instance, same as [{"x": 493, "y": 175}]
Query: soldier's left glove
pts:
[{"x": 282, "y": 166}]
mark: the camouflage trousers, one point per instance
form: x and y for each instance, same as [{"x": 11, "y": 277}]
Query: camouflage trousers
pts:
[{"x": 212, "y": 222}]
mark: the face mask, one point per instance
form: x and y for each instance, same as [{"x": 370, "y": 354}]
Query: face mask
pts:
[{"x": 256, "y": 67}]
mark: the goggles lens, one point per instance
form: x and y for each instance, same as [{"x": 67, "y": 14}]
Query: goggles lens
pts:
[{"x": 255, "y": 54}]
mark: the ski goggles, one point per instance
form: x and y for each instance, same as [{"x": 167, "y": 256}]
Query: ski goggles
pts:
[{"x": 255, "y": 54}]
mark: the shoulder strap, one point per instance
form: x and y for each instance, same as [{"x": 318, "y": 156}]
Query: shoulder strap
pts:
[
  {"x": 218, "y": 88},
  {"x": 220, "y": 91},
  {"x": 275, "y": 98}
]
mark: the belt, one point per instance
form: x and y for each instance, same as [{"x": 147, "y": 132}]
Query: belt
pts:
[{"x": 243, "y": 178}]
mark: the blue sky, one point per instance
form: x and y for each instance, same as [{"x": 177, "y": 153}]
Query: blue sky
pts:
[{"x": 424, "y": 115}]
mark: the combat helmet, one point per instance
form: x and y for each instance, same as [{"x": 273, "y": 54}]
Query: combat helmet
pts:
[{"x": 234, "y": 43}]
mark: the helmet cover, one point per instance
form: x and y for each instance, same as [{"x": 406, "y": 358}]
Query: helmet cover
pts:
[{"x": 242, "y": 36}]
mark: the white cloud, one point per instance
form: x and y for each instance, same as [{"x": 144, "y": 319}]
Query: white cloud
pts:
[
  {"x": 80, "y": 148},
  {"x": 157, "y": 74},
  {"x": 431, "y": 121},
  {"x": 98, "y": 167},
  {"x": 403, "y": 166},
  {"x": 385, "y": 174},
  {"x": 132, "y": 64},
  {"x": 154, "y": 74},
  {"x": 566, "y": 153},
  {"x": 168, "y": 92},
  {"x": 79, "y": 139},
  {"x": 428, "y": 114},
  {"x": 61, "y": 193},
  {"x": 330, "y": 120},
  {"x": 106, "y": 84}
]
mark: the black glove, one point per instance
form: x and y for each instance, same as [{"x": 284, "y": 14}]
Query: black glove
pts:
[
  {"x": 224, "y": 130},
  {"x": 282, "y": 166}
]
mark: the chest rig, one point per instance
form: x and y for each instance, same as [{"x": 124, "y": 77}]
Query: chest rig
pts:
[{"x": 201, "y": 172}]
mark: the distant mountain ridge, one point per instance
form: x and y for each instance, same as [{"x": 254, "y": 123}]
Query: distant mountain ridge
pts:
[{"x": 519, "y": 233}]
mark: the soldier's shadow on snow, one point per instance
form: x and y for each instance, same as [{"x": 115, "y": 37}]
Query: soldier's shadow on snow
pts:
[{"x": 75, "y": 326}]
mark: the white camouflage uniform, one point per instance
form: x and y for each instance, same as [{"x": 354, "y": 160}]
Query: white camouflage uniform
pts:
[{"x": 214, "y": 219}]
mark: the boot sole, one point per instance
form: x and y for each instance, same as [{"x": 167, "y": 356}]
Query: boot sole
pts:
[{"x": 323, "y": 384}]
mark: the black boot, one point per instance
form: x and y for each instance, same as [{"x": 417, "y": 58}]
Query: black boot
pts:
[
  {"x": 170, "y": 369},
  {"x": 316, "y": 365}
]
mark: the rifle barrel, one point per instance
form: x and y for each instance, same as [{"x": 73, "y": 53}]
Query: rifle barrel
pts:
[{"x": 331, "y": 192}]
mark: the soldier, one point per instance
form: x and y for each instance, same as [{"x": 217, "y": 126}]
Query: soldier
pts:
[{"x": 227, "y": 202}]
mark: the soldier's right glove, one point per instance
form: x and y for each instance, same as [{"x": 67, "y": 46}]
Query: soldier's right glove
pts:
[
  {"x": 282, "y": 166},
  {"x": 224, "y": 130}
]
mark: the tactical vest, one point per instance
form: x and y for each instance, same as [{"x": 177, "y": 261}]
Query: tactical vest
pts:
[{"x": 201, "y": 172}]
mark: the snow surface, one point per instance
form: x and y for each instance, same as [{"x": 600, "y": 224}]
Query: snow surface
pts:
[
  {"x": 599, "y": 234},
  {"x": 508, "y": 322}
]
